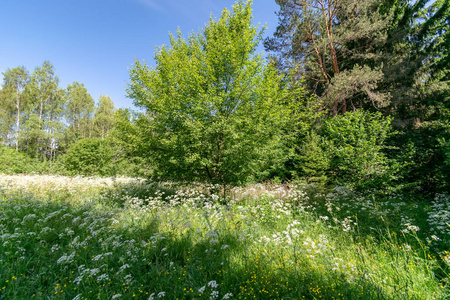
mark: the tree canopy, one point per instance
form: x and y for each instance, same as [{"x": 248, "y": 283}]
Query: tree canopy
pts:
[{"x": 213, "y": 106}]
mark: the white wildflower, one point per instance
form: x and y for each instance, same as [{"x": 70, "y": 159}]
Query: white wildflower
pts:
[
  {"x": 78, "y": 297},
  {"x": 435, "y": 238},
  {"x": 214, "y": 294}
]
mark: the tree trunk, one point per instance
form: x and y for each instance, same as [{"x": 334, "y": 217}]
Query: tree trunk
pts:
[{"x": 17, "y": 119}]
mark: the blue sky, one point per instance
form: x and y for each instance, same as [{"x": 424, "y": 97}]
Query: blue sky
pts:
[{"x": 96, "y": 41}]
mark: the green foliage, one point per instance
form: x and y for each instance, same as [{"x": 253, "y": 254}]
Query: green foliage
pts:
[
  {"x": 103, "y": 157},
  {"x": 349, "y": 151},
  {"x": 417, "y": 65},
  {"x": 425, "y": 157},
  {"x": 43, "y": 119},
  {"x": 14, "y": 83},
  {"x": 104, "y": 116},
  {"x": 60, "y": 240},
  {"x": 12, "y": 161},
  {"x": 79, "y": 110},
  {"x": 213, "y": 109},
  {"x": 322, "y": 37},
  {"x": 90, "y": 156},
  {"x": 312, "y": 160}
]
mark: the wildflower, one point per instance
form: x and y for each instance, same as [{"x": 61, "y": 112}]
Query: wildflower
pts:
[
  {"x": 161, "y": 294},
  {"x": 116, "y": 296},
  {"x": 78, "y": 279},
  {"x": 66, "y": 259},
  {"x": 215, "y": 294},
  {"x": 435, "y": 238},
  {"x": 213, "y": 284},
  {"x": 202, "y": 289},
  {"x": 227, "y": 296},
  {"x": 102, "y": 277},
  {"x": 98, "y": 257},
  {"x": 413, "y": 228}
]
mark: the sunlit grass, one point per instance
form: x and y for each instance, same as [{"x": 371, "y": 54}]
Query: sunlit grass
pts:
[{"x": 66, "y": 238}]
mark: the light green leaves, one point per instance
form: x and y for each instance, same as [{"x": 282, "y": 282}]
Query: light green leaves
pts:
[{"x": 212, "y": 104}]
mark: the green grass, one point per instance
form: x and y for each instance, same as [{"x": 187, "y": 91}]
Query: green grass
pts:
[{"x": 65, "y": 238}]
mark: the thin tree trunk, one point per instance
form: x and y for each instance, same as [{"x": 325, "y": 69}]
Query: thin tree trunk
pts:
[
  {"x": 40, "y": 111},
  {"x": 17, "y": 119},
  {"x": 332, "y": 49}
]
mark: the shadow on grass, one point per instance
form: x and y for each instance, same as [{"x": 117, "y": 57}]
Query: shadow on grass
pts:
[{"x": 88, "y": 251}]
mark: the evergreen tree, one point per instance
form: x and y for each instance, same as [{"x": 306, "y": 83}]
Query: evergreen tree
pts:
[{"x": 318, "y": 38}]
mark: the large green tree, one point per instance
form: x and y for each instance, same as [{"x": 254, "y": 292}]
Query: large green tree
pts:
[
  {"x": 417, "y": 74},
  {"x": 104, "y": 116},
  {"x": 417, "y": 69},
  {"x": 213, "y": 109},
  {"x": 319, "y": 38},
  {"x": 14, "y": 83},
  {"x": 79, "y": 112},
  {"x": 44, "y": 96},
  {"x": 6, "y": 116}
]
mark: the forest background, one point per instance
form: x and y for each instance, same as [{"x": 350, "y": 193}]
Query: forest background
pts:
[{"x": 353, "y": 93}]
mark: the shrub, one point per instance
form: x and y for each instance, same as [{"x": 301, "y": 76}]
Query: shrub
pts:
[
  {"x": 312, "y": 161},
  {"x": 348, "y": 150},
  {"x": 90, "y": 156},
  {"x": 425, "y": 155},
  {"x": 12, "y": 161}
]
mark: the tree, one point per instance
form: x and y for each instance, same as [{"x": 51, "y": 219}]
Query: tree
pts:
[
  {"x": 43, "y": 84},
  {"x": 319, "y": 37},
  {"x": 417, "y": 74},
  {"x": 89, "y": 156},
  {"x": 6, "y": 116},
  {"x": 55, "y": 122},
  {"x": 79, "y": 109},
  {"x": 213, "y": 108},
  {"x": 43, "y": 90},
  {"x": 104, "y": 116},
  {"x": 417, "y": 70},
  {"x": 14, "y": 83}
]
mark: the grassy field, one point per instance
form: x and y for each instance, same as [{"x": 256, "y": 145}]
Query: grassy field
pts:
[{"x": 88, "y": 238}]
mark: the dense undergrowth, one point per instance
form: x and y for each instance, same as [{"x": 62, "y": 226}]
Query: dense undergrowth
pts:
[{"x": 87, "y": 238}]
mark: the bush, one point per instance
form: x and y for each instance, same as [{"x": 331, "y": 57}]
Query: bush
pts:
[
  {"x": 312, "y": 161},
  {"x": 12, "y": 161},
  {"x": 90, "y": 156},
  {"x": 425, "y": 154},
  {"x": 348, "y": 150}
]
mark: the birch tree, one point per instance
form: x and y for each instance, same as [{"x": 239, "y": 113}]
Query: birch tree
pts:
[{"x": 14, "y": 82}]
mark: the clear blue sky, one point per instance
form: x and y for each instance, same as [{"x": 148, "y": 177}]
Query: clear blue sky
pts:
[{"x": 96, "y": 41}]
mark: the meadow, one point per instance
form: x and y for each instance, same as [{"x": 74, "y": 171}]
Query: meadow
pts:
[{"x": 123, "y": 238}]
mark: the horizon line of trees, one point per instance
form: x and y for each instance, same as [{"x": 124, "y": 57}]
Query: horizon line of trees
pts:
[
  {"x": 354, "y": 92},
  {"x": 41, "y": 119}
]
